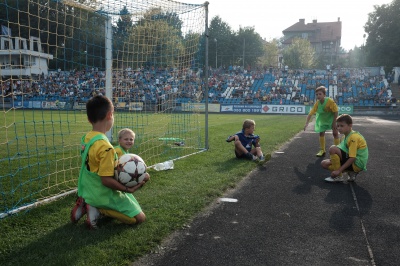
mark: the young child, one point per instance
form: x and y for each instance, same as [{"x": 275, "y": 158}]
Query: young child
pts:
[
  {"x": 98, "y": 191},
  {"x": 326, "y": 112},
  {"x": 350, "y": 156},
  {"x": 126, "y": 139},
  {"x": 245, "y": 140}
]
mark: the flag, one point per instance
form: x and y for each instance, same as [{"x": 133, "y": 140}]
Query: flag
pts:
[{"x": 5, "y": 31}]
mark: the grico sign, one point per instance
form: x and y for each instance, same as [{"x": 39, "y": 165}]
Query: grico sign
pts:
[{"x": 283, "y": 109}]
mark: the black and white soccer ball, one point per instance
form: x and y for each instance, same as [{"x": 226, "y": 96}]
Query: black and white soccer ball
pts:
[{"x": 131, "y": 170}]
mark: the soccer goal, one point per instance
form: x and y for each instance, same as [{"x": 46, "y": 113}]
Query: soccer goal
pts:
[{"x": 147, "y": 56}]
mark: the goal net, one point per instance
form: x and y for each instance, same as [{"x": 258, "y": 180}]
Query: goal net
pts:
[{"x": 147, "y": 56}]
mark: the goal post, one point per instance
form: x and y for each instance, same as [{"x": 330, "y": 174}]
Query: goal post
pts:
[{"x": 148, "y": 57}]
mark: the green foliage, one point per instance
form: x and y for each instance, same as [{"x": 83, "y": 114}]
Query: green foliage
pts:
[
  {"x": 221, "y": 43},
  {"x": 299, "y": 54},
  {"x": 251, "y": 45},
  {"x": 231, "y": 47},
  {"x": 383, "y": 29},
  {"x": 45, "y": 236},
  {"x": 270, "y": 54}
]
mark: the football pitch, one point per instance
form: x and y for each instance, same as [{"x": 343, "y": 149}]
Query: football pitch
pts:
[{"x": 45, "y": 236}]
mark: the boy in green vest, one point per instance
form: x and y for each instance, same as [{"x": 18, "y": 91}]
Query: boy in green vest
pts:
[
  {"x": 350, "y": 156},
  {"x": 126, "y": 139},
  {"x": 326, "y": 112},
  {"x": 98, "y": 192}
]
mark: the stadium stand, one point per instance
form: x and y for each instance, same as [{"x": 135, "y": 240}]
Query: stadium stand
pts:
[{"x": 234, "y": 85}]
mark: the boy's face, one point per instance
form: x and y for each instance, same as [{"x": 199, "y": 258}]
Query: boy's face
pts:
[
  {"x": 320, "y": 95},
  {"x": 343, "y": 128},
  {"x": 110, "y": 119},
  {"x": 250, "y": 130},
  {"x": 126, "y": 141}
]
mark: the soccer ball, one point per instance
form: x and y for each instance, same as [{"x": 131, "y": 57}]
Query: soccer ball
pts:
[{"x": 131, "y": 170}]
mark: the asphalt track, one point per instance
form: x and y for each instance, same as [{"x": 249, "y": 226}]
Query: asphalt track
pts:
[{"x": 286, "y": 214}]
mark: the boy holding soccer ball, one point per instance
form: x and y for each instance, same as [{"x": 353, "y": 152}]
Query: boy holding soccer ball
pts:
[
  {"x": 98, "y": 192},
  {"x": 326, "y": 112},
  {"x": 245, "y": 140},
  {"x": 350, "y": 156}
]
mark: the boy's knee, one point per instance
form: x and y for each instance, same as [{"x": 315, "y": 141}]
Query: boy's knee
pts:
[
  {"x": 140, "y": 218},
  {"x": 333, "y": 149},
  {"x": 325, "y": 164}
]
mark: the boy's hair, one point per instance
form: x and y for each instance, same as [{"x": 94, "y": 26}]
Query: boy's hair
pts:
[
  {"x": 345, "y": 118},
  {"x": 97, "y": 108},
  {"x": 124, "y": 131},
  {"x": 321, "y": 89},
  {"x": 248, "y": 123}
]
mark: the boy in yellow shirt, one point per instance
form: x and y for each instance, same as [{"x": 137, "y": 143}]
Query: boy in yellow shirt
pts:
[
  {"x": 326, "y": 112},
  {"x": 98, "y": 191},
  {"x": 350, "y": 156}
]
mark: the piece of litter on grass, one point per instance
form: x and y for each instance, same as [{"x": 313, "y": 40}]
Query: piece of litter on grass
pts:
[{"x": 228, "y": 199}]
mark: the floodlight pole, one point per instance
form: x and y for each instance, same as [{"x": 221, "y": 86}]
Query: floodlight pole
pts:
[
  {"x": 216, "y": 53},
  {"x": 244, "y": 45}
]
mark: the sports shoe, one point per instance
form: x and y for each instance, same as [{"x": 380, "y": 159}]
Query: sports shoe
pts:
[
  {"x": 93, "y": 216},
  {"x": 320, "y": 153},
  {"x": 351, "y": 176},
  {"x": 334, "y": 179},
  {"x": 262, "y": 158},
  {"x": 79, "y": 210},
  {"x": 250, "y": 156}
]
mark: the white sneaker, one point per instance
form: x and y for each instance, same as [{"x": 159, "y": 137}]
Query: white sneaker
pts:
[
  {"x": 352, "y": 176},
  {"x": 93, "y": 216},
  {"x": 334, "y": 180},
  {"x": 262, "y": 158},
  {"x": 79, "y": 210}
]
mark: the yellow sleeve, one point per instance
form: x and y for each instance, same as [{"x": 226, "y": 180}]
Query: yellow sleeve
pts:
[
  {"x": 313, "y": 111},
  {"x": 331, "y": 106},
  {"x": 119, "y": 152},
  {"x": 102, "y": 158},
  {"x": 354, "y": 143}
]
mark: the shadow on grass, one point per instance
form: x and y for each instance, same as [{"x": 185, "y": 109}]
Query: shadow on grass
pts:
[{"x": 38, "y": 241}]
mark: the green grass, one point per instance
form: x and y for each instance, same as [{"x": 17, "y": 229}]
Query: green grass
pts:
[
  {"x": 45, "y": 236},
  {"x": 40, "y": 149}
]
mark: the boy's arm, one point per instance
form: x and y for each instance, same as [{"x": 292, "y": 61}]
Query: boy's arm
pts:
[
  {"x": 343, "y": 167},
  {"x": 310, "y": 114},
  {"x": 110, "y": 182},
  {"x": 231, "y": 138},
  {"x": 335, "y": 115},
  {"x": 307, "y": 121}
]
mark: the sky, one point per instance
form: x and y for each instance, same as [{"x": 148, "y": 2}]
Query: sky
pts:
[{"x": 270, "y": 18}]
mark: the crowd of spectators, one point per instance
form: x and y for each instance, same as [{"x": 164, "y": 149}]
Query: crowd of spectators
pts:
[{"x": 233, "y": 84}]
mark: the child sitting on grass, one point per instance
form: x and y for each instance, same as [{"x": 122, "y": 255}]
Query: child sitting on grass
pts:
[{"x": 245, "y": 140}]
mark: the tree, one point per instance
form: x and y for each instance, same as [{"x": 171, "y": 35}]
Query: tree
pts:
[
  {"x": 221, "y": 44},
  {"x": 299, "y": 54},
  {"x": 383, "y": 29},
  {"x": 249, "y": 47},
  {"x": 270, "y": 54},
  {"x": 155, "y": 40}
]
